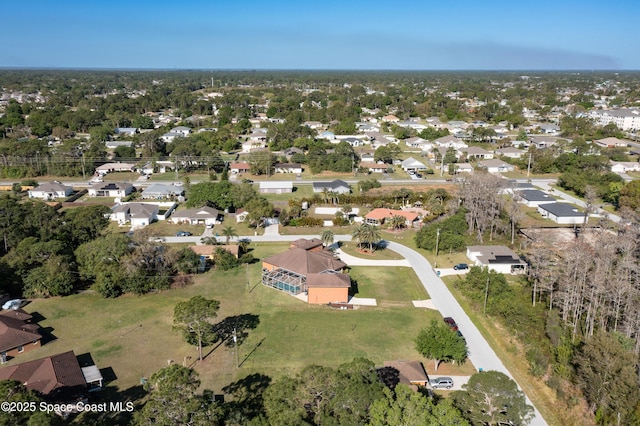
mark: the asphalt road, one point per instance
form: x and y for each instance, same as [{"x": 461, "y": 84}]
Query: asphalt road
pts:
[{"x": 480, "y": 352}]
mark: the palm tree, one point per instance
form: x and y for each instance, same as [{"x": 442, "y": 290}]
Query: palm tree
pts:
[
  {"x": 397, "y": 222},
  {"x": 228, "y": 232},
  {"x": 327, "y": 237},
  {"x": 366, "y": 234}
]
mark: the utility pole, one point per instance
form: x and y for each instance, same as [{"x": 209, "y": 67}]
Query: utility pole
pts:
[
  {"x": 437, "y": 241},
  {"x": 442, "y": 166},
  {"x": 529, "y": 165},
  {"x": 235, "y": 340},
  {"x": 486, "y": 295}
]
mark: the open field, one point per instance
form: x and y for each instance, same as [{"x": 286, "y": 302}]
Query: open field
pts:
[
  {"x": 395, "y": 286},
  {"x": 133, "y": 335}
]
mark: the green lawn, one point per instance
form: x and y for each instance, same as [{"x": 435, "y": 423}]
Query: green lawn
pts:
[
  {"x": 133, "y": 335},
  {"x": 378, "y": 254},
  {"x": 397, "y": 285}
]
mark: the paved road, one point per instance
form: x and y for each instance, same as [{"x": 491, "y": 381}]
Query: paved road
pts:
[{"x": 480, "y": 352}]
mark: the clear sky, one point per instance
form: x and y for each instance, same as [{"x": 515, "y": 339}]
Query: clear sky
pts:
[{"x": 331, "y": 34}]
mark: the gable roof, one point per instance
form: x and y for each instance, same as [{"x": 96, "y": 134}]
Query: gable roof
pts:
[
  {"x": 15, "y": 329},
  {"x": 409, "y": 372},
  {"x": 331, "y": 185},
  {"x": 111, "y": 186},
  {"x": 495, "y": 255},
  {"x": 161, "y": 189},
  {"x": 136, "y": 210},
  {"x": 306, "y": 262},
  {"x": 197, "y": 213},
  {"x": 46, "y": 375},
  {"x": 51, "y": 187}
]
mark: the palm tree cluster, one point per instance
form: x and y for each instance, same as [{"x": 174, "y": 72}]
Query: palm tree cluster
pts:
[{"x": 366, "y": 234}]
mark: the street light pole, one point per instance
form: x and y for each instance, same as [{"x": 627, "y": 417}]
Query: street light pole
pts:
[{"x": 486, "y": 295}]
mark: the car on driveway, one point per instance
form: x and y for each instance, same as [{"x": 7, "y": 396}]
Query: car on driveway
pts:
[
  {"x": 460, "y": 266},
  {"x": 441, "y": 383},
  {"x": 451, "y": 323},
  {"x": 183, "y": 234}
]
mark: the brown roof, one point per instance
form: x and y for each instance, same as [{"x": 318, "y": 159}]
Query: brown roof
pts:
[
  {"x": 389, "y": 213},
  {"x": 328, "y": 280},
  {"x": 240, "y": 166},
  {"x": 15, "y": 330},
  {"x": 305, "y": 262},
  {"x": 305, "y": 244},
  {"x": 371, "y": 165},
  {"x": 410, "y": 372},
  {"x": 47, "y": 374}
]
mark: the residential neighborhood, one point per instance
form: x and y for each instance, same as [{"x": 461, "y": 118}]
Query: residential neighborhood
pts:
[{"x": 388, "y": 234}]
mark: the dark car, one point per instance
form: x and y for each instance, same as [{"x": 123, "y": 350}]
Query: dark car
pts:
[
  {"x": 451, "y": 323},
  {"x": 461, "y": 266},
  {"x": 183, "y": 234}
]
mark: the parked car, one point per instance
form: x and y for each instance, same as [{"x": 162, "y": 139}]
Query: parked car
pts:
[
  {"x": 183, "y": 234},
  {"x": 441, "y": 383},
  {"x": 451, "y": 323},
  {"x": 14, "y": 304},
  {"x": 460, "y": 266}
]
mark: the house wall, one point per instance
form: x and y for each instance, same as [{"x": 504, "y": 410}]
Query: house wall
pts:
[
  {"x": 268, "y": 266},
  {"x": 326, "y": 295},
  {"x": 567, "y": 220},
  {"x": 26, "y": 348}
]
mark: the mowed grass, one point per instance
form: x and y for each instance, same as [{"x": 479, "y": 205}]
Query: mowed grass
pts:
[
  {"x": 133, "y": 335},
  {"x": 388, "y": 284}
]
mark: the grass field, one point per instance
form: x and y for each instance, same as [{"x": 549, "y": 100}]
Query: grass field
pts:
[{"x": 133, "y": 335}]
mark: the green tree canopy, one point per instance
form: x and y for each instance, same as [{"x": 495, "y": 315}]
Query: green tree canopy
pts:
[
  {"x": 193, "y": 318},
  {"x": 441, "y": 343},
  {"x": 492, "y": 398}
]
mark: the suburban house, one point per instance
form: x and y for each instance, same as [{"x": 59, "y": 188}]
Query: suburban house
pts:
[
  {"x": 276, "y": 187},
  {"x": 533, "y": 197},
  {"x": 616, "y": 167},
  {"x": 314, "y": 244},
  {"x": 475, "y": 152},
  {"x": 419, "y": 143},
  {"x": 314, "y": 272},
  {"x": 450, "y": 141},
  {"x": 110, "y": 189},
  {"x": 115, "y": 167},
  {"x": 136, "y": 214},
  {"x": 17, "y": 334},
  {"x": 562, "y": 213},
  {"x": 497, "y": 258},
  {"x": 313, "y": 124},
  {"x": 374, "y": 167},
  {"x": 241, "y": 167},
  {"x": 202, "y": 215},
  {"x": 410, "y": 373},
  {"x": 390, "y": 118},
  {"x": 159, "y": 191},
  {"x": 510, "y": 152},
  {"x": 208, "y": 251},
  {"x": 115, "y": 144},
  {"x": 337, "y": 186},
  {"x": 612, "y": 143},
  {"x": 463, "y": 168},
  {"x": 495, "y": 166},
  {"x": 379, "y": 216},
  {"x": 127, "y": 131},
  {"x": 413, "y": 164},
  {"x": 288, "y": 168},
  {"x": 50, "y": 190},
  {"x": 57, "y": 377}
]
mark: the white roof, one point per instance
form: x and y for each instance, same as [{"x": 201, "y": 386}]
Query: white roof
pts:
[
  {"x": 276, "y": 184},
  {"x": 91, "y": 374}
]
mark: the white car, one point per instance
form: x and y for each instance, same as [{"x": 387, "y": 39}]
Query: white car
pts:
[{"x": 14, "y": 304}]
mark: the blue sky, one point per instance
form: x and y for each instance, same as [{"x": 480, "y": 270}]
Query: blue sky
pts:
[{"x": 404, "y": 35}]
